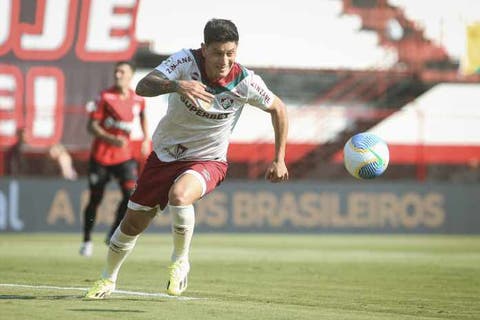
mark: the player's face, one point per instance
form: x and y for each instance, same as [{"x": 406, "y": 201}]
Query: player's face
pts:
[
  {"x": 219, "y": 58},
  {"x": 123, "y": 75}
]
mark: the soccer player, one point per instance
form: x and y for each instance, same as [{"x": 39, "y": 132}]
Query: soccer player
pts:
[
  {"x": 208, "y": 90},
  {"x": 111, "y": 121}
]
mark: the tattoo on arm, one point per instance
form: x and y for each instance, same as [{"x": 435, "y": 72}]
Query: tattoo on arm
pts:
[{"x": 155, "y": 83}]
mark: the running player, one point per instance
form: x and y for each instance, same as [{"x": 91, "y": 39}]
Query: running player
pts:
[
  {"x": 208, "y": 90},
  {"x": 110, "y": 123}
]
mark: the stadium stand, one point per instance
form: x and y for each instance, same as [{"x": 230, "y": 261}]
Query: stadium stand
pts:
[
  {"x": 410, "y": 42},
  {"x": 447, "y": 26},
  {"x": 361, "y": 61},
  {"x": 317, "y": 48}
]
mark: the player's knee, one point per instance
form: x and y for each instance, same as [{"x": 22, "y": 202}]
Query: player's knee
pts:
[
  {"x": 131, "y": 227},
  {"x": 135, "y": 222},
  {"x": 178, "y": 197}
]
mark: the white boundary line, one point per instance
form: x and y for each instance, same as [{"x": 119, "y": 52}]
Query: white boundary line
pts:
[{"x": 120, "y": 292}]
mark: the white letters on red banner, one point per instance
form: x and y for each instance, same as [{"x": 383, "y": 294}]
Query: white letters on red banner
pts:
[
  {"x": 9, "y": 12},
  {"x": 107, "y": 30},
  {"x": 44, "y": 101},
  {"x": 11, "y": 93},
  {"x": 51, "y": 35},
  {"x": 33, "y": 97}
]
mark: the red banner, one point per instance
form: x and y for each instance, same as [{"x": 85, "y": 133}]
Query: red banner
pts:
[{"x": 57, "y": 55}]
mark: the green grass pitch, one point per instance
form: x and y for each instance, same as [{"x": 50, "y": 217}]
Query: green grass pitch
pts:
[{"x": 250, "y": 276}]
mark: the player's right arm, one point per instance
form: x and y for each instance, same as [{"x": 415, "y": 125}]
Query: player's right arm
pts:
[
  {"x": 95, "y": 129},
  {"x": 156, "y": 83},
  {"x": 170, "y": 76},
  {"x": 96, "y": 114}
]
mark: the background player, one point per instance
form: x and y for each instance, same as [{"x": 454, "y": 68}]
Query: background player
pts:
[
  {"x": 209, "y": 90},
  {"x": 110, "y": 123}
]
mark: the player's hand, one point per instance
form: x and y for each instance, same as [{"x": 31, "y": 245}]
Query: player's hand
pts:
[
  {"x": 118, "y": 141},
  {"x": 194, "y": 90},
  {"x": 277, "y": 172}
]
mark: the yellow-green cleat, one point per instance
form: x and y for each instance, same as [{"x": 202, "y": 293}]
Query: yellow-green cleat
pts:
[
  {"x": 178, "y": 277},
  {"x": 100, "y": 289}
]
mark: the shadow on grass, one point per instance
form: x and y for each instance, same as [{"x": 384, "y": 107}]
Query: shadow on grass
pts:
[
  {"x": 16, "y": 297},
  {"x": 75, "y": 297},
  {"x": 30, "y": 297},
  {"x": 107, "y": 310}
]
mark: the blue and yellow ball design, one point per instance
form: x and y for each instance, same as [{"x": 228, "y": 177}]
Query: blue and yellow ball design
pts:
[{"x": 365, "y": 156}]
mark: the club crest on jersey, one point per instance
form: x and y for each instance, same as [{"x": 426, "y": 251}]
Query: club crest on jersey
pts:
[{"x": 226, "y": 102}]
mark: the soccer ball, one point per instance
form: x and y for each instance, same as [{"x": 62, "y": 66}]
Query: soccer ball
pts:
[{"x": 365, "y": 156}]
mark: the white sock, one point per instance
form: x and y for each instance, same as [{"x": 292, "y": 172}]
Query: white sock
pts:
[
  {"x": 183, "y": 223},
  {"x": 120, "y": 246}
]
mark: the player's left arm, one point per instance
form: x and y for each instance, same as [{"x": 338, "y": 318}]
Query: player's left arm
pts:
[{"x": 277, "y": 171}]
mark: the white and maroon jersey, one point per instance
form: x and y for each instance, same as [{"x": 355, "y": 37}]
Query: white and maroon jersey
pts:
[{"x": 187, "y": 132}]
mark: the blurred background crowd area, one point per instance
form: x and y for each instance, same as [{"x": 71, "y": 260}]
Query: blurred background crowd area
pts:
[{"x": 406, "y": 70}]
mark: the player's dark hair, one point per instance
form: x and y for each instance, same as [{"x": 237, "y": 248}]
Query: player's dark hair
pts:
[
  {"x": 220, "y": 30},
  {"x": 128, "y": 63}
]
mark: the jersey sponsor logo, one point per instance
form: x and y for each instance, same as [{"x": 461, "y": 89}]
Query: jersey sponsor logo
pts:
[
  {"x": 265, "y": 96},
  {"x": 205, "y": 105},
  {"x": 122, "y": 125},
  {"x": 171, "y": 64},
  {"x": 201, "y": 113},
  {"x": 226, "y": 102}
]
